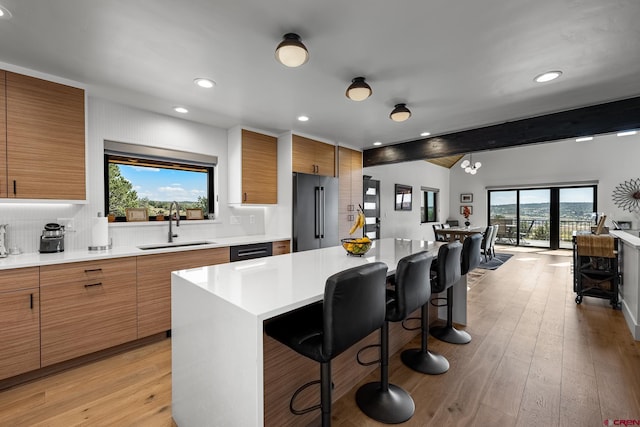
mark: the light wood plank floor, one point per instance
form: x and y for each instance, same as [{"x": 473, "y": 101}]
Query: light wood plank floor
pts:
[{"x": 536, "y": 359}]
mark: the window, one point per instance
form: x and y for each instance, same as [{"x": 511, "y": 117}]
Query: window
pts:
[
  {"x": 152, "y": 178},
  {"x": 429, "y": 205}
]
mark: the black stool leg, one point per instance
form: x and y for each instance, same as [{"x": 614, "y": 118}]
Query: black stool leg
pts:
[
  {"x": 421, "y": 359},
  {"x": 448, "y": 333},
  {"x": 384, "y": 402},
  {"x": 325, "y": 393}
]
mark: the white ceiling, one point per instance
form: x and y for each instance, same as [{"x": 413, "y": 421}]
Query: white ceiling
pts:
[{"x": 456, "y": 64}]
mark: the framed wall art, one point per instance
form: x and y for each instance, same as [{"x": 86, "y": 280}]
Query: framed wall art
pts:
[{"x": 466, "y": 198}]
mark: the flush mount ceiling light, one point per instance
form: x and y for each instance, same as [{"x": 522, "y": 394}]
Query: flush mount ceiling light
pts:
[
  {"x": 359, "y": 90},
  {"x": 291, "y": 52},
  {"x": 4, "y": 13},
  {"x": 547, "y": 77},
  {"x": 400, "y": 113},
  {"x": 180, "y": 110},
  {"x": 469, "y": 166},
  {"x": 204, "y": 83}
]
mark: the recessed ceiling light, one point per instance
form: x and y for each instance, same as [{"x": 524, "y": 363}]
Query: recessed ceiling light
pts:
[
  {"x": 377, "y": 143},
  {"x": 303, "y": 118},
  {"x": 425, "y": 134},
  {"x": 4, "y": 13},
  {"x": 627, "y": 133},
  {"x": 547, "y": 77},
  {"x": 205, "y": 83},
  {"x": 180, "y": 110},
  {"x": 584, "y": 138}
]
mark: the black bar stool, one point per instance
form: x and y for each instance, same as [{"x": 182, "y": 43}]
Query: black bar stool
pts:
[
  {"x": 470, "y": 259},
  {"x": 353, "y": 307},
  {"x": 421, "y": 359},
  {"x": 384, "y": 402}
]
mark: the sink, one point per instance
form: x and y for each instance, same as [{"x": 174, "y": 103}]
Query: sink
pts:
[{"x": 174, "y": 245}]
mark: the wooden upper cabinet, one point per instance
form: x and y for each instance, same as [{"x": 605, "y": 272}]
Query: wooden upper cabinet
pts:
[
  {"x": 19, "y": 321},
  {"x": 4, "y": 186},
  {"x": 45, "y": 146},
  {"x": 350, "y": 184},
  {"x": 313, "y": 157},
  {"x": 259, "y": 168}
]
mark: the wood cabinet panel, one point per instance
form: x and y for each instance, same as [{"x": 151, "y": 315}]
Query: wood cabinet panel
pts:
[
  {"x": 259, "y": 168},
  {"x": 350, "y": 184},
  {"x": 19, "y": 322},
  {"x": 45, "y": 139},
  {"x": 313, "y": 157},
  {"x": 154, "y": 284},
  {"x": 86, "y": 307},
  {"x": 281, "y": 247},
  {"x": 4, "y": 186}
]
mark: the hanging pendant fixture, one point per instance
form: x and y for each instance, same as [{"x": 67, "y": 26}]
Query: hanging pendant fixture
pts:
[{"x": 469, "y": 166}]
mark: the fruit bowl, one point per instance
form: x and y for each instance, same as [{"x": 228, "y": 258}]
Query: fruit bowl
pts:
[{"x": 356, "y": 247}]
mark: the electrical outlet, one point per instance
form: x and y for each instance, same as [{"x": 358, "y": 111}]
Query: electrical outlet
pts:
[
  {"x": 252, "y": 219},
  {"x": 233, "y": 220}
]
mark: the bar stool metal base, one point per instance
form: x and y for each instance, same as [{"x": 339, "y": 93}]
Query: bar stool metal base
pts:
[
  {"x": 450, "y": 334},
  {"x": 391, "y": 406},
  {"x": 425, "y": 362}
]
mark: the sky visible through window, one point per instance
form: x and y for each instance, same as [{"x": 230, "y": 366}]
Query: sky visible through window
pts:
[
  {"x": 569, "y": 195},
  {"x": 160, "y": 184}
]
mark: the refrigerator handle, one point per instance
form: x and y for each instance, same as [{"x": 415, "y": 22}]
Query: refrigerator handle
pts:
[
  {"x": 317, "y": 213},
  {"x": 322, "y": 204}
]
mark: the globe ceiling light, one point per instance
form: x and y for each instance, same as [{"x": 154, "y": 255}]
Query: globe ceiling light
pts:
[
  {"x": 400, "y": 113},
  {"x": 359, "y": 90},
  {"x": 469, "y": 166},
  {"x": 291, "y": 52}
]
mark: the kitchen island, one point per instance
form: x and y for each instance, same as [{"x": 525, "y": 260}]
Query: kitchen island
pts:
[
  {"x": 217, "y": 325},
  {"x": 629, "y": 290}
]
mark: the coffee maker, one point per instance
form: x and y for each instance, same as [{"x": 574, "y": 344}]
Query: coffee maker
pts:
[{"x": 52, "y": 238}]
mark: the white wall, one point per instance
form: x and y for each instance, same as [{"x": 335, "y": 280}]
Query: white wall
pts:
[
  {"x": 406, "y": 224},
  {"x": 608, "y": 159}
]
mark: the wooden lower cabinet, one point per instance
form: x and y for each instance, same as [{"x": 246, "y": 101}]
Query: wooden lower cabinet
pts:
[
  {"x": 19, "y": 322},
  {"x": 86, "y": 307},
  {"x": 154, "y": 284},
  {"x": 281, "y": 247}
]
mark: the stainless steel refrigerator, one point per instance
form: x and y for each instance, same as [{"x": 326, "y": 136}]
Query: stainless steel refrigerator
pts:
[{"x": 315, "y": 212}]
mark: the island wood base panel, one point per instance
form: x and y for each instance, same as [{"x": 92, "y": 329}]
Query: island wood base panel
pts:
[{"x": 285, "y": 371}]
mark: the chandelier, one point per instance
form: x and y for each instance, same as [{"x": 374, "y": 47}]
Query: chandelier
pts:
[{"x": 469, "y": 166}]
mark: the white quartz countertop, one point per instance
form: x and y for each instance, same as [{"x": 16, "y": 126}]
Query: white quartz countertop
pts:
[
  {"x": 37, "y": 259},
  {"x": 629, "y": 238},
  {"x": 267, "y": 287}
]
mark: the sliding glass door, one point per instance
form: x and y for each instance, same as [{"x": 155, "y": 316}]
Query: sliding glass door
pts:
[{"x": 541, "y": 217}]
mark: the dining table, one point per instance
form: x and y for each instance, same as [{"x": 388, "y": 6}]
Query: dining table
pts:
[{"x": 458, "y": 233}]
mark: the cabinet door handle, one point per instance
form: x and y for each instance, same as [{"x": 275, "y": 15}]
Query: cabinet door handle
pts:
[
  {"x": 91, "y": 285},
  {"x": 14, "y": 188},
  {"x": 31, "y": 301},
  {"x": 93, "y": 270},
  {"x": 244, "y": 197}
]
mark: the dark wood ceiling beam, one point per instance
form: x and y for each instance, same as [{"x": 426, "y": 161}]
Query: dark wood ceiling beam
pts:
[{"x": 593, "y": 120}]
